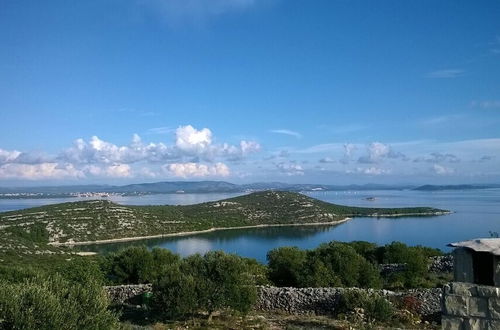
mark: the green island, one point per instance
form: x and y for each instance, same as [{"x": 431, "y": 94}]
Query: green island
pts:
[{"x": 103, "y": 221}]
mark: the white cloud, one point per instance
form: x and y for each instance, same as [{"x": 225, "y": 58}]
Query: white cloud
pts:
[
  {"x": 327, "y": 160},
  {"x": 39, "y": 171},
  {"x": 287, "y": 132},
  {"x": 442, "y": 170},
  {"x": 486, "y": 104},
  {"x": 448, "y": 73},
  {"x": 191, "y": 140},
  {"x": 378, "y": 151},
  {"x": 290, "y": 169},
  {"x": 7, "y": 156},
  {"x": 369, "y": 171},
  {"x": 100, "y": 158},
  {"x": 160, "y": 130},
  {"x": 187, "y": 170}
]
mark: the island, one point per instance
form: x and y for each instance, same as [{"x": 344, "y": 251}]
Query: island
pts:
[{"x": 102, "y": 221}]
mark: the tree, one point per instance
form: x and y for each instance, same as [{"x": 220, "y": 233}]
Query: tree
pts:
[
  {"x": 206, "y": 283},
  {"x": 285, "y": 265},
  {"x": 54, "y": 303},
  {"x": 350, "y": 267},
  {"x": 133, "y": 265}
]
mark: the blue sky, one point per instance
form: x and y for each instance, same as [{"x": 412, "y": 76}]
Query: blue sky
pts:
[{"x": 332, "y": 91}]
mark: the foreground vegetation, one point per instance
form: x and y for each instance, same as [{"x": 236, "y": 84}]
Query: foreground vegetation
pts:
[
  {"x": 54, "y": 292},
  {"x": 39, "y": 230}
]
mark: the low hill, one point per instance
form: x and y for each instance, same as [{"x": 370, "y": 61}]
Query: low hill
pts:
[
  {"x": 103, "y": 220},
  {"x": 429, "y": 187}
]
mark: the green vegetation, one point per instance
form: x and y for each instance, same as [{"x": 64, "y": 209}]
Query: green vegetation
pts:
[
  {"x": 354, "y": 264},
  {"x": 209, "y": 283},
  {"x": 70, "y": 298},
  {"x": 369, "y": 306},
  {"x": 48, "y": 291},
  {"x": 30, "y": 230}
]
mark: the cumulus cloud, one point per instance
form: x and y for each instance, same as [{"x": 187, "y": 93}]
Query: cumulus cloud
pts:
[
  {"x": 186, "y": 170},
  {"x": 39, "y": 171},
  {"x": 100, "y": 158},
  {"x": 378, "y": 151},
  {"x": 7, "y": 156},
  {"x": 290, "y": 168},
  {"x": 191, "y": 140}
]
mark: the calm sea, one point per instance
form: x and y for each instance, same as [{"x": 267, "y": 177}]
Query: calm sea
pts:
[{"x": 476, "y": 213}]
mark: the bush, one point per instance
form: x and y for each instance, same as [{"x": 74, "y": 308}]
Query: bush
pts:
[
  {"x": 373, "y": 306},
  {"x": 54, "y": 303}
]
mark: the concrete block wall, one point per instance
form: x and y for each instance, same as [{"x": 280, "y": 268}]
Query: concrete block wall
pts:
[{"x": 470, "y": 306}]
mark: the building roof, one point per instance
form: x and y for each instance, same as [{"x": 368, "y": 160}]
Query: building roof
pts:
[{"x": 491, "y": 245}]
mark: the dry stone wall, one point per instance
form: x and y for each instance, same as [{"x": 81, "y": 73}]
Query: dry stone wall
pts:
[
  {"x": 471, "y": 306},
  {"x": 321, "y": 301}
]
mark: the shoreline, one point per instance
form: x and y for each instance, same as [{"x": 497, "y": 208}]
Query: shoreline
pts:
[{"x": 196, "y": 232}]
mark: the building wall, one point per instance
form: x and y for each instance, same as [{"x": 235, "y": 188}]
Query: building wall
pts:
[{"x": 470, "y": 306}]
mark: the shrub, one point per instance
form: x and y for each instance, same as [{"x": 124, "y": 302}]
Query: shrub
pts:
[
  {"x": 374, "y": 306},
  {"x": 54, "y": 303}
]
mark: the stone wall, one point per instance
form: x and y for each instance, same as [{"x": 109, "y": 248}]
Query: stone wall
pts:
[
  {"x": 471, "y": 306},
  {"x": 324, "y": 300},
  {"x": 439, "y": 264},
  {"x": 121, "y": 293}
]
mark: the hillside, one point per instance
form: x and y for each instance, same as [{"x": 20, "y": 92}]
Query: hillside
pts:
[{"x": 104, "y": 220}]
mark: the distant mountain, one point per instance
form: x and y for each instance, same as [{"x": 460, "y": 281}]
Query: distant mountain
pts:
[
  {"x": 168, "y": 187},
  {"x": 192, "y": 187},
  {"x": 429, "y": 187}
]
